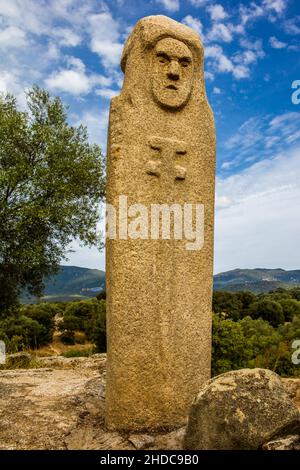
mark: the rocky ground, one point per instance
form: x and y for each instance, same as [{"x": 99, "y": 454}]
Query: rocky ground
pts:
[{"x": 61, "y": 406}]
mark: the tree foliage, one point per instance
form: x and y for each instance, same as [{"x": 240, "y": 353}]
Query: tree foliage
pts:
[{"x": 51, "y": 183}]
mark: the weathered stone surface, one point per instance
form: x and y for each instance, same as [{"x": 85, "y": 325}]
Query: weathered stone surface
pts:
[
  {"x": 141, "y": 441},
  {"x": 284, "y": 443},
  {"x": 161, "y": 150},
  {"x": 63, "y": 408},
  {"x": 239, "y": 410}
]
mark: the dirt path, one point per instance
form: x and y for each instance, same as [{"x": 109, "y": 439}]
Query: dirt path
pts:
[{"x": 62, "y": 407}]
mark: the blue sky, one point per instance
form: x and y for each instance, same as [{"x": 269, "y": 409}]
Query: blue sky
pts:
[{"x": 252, "y": 57}]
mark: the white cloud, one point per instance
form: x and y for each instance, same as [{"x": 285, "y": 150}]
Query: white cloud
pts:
[
  {"x": 170, "y": 5},
  {"x": 276, "y": 44},
  {"x": 250, "y": 13},
  {"x": 12, "y": 37},
  {"x": 292, "y": 26},
  {"x": 198, "y": 3},
  {"x": 223, "y": 64},
  {"x": 220, "y": 32},
  {"x": 208, "y": 75},
  {"x": 217, "y": 12},
  {"x": 104, "y": 31},
  {"x": 5, "y": 81},
  {"x": 67, "y": 37},
  {"x": 259, "y": 136},
  {"x": 278, "y": 6},
  {"x": 256, "y": 212},
  {"x": 107, "y": 93},
  {"x": 96, "y": 121},
  {"x": 193, "y": 23},
  {"x": 216, "y": 91},
  {"x": 271, "y": 9},
  {"x": 75, "y": 80},
  {"x": 256, "y": 45}
]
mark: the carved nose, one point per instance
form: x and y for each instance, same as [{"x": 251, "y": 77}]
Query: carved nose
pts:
[{"x": 173, "y": 73}]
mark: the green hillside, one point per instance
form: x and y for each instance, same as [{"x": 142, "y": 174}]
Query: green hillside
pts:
[
  {"x": 73, "y": 283},
  {"x": 256, "y": 280}
]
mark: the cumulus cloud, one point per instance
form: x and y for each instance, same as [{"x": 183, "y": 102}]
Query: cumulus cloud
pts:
[
  {"x": 12, "y": 37},
  {"x": 277, "y": 6},
  {"x": 107, "y": 93},
  {"x": 105, "y": 38},
  {"x": 221, "y": 63},
  {"x": 198, "y": 3},
  {"x": 292, "y": 26},
  {"x": 170, "y": 5},
  {"x": 67, "y": 37},
  {"x": 217, "y": 12},
  {"x": 220, "y": 32},
  {"x": 276, "y": 44},
  {"x": 256, "y": 212},
  {"x": 193, "y": 23},
  {"x": 75, "y": 80}
]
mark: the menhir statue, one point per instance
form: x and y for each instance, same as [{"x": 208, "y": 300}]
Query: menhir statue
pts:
[{"x": 161, "y": 168}]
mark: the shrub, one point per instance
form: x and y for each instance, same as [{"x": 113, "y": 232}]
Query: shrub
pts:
[
  {"x": 229, "y": 348},
  {"x": 96, "y": 328},
  {"x": 227, "y": 302},
  {"x": 268, "y": 310},
  {"x": 30, "y": 333},
  {"x": 291, "y": 308},
  {"x": 78, "y": 353}
]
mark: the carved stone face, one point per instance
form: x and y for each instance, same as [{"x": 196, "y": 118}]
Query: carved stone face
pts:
[{"x": 172, "y": 73}]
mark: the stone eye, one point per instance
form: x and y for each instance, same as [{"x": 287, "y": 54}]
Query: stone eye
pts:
[
  {"x": 163, "y": 59},
  {"x": 184, "y": 62}
]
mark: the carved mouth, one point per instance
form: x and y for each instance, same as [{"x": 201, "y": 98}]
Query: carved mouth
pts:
[{"x": 171, "y": 87}]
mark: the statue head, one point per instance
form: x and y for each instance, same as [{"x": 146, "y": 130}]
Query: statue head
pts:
[
  {"x": 163, "y": 60},
  {"x": 171, "y": 73}
]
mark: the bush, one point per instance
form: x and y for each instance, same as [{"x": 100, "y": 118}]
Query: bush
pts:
[
  {"x": 87, "y": 316},
  {"x": 229, "y": 348},
  {"x": 291, "y": 308},
  {"x": 78, "y": 353},
  {"x": 96, "y": 328},
  {"x": 268, "y": 310},
  {"x": 30, "y": 333},
  {"x": 226, "y": 302},
  {"x": 44, "y": 314}
]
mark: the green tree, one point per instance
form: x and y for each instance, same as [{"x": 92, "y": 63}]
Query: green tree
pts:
[
  {"x": 51, "y": 183},
  {"x": 268, "y": 310},
  {"x": 227, "y": 302},
  {"x": 291, "y": 308},
  {"x": 96, "y": 328},
  {"x": 229, "y": 348}
]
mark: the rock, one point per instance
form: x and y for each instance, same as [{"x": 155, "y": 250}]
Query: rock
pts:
[
  {"x": 284, "y": 443},
  {"x": 172, "y": 440},
  {"x": 239, "y": 410},
  {"x": 141, "y": 441},
  {"x": 19, "y": 360},
  {"x": 292, "y": 386},
  {"x": 285, "y": 438}
]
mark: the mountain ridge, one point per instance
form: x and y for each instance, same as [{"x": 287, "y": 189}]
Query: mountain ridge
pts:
[{"x": 76, "y": 283}]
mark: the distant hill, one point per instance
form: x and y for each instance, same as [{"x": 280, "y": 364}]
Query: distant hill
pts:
[
  {"x": 72, "y": 283},
  {"x": 256, "y": 280}
]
